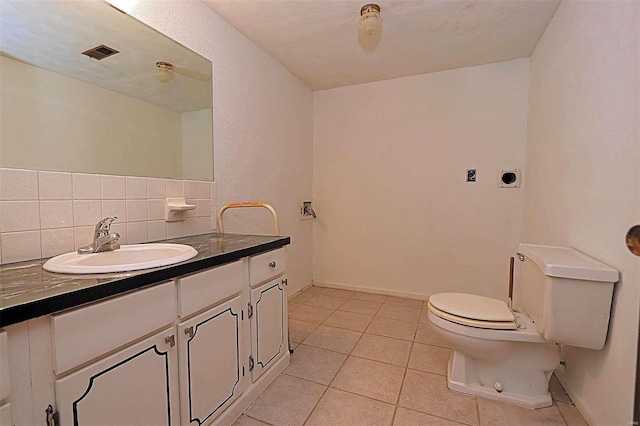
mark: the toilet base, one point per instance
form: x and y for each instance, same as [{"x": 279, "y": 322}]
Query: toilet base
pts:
[
  {"x": 521, "y": 400},
  {"x": 475, "y": 388},
  {"x": 520, "y": 360}
]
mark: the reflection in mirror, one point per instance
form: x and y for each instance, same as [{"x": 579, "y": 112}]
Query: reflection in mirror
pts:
[{"x": 68, "y": 103}]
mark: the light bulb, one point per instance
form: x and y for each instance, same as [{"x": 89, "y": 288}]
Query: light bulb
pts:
[
  {"x": 370, "y": 22},
  {"x": 164, "y": 72}
]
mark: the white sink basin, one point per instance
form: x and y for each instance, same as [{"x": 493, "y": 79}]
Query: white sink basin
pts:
[{"x": 126, "y": 258}]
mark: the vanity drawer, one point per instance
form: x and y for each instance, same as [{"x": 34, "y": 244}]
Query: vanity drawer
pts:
[
  {"x": 266, "y": 266},
  {"x": 204, "y": 289},
  {"x": 87, "y": 333}
]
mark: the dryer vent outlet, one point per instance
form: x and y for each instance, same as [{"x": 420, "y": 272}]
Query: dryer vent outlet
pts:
[{"x": 509, "y": 178}]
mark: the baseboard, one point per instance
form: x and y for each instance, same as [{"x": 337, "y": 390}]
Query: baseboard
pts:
[
  {"x": 372, "y": 290},
  {"x": 300, "y": 290},
  {"x": 578, "y": 402}
]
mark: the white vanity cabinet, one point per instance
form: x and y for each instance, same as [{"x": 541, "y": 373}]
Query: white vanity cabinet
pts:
[
  {"x": 267, "y": 310},
  {"x": 211, "y": 344},
  {"x": 135, "y": 386},
  {"x": 196, "y": 350},
  {"x": 85, "y": 334},
  {"x": 5, "y": 381},
  {"x": 212, "y": 374},
  {"x": 5, "y": 414},
  {"x": 268, "y": 326}
]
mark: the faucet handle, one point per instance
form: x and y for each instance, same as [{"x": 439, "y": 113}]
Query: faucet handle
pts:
[{"x": 103, "y": 227}]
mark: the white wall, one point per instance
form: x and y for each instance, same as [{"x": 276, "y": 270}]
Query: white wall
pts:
[
  {"x": 262, "y": 125},
  {"x": 583, "y": 180},
  {"x": 394, "y": 210}
]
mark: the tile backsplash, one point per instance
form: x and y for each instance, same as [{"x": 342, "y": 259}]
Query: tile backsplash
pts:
[{"x": 43, "y": 214}]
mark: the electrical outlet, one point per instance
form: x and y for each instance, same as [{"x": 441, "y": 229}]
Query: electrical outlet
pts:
[{"x": 471, "y": 175}]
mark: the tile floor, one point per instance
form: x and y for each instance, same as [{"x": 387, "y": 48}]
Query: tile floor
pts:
[{"x": 365, "y": 359}]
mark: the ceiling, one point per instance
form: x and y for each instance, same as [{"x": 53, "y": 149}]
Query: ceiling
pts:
[
  {"x": 317, "y": 40},
  {"x": 53, "y": 34}
]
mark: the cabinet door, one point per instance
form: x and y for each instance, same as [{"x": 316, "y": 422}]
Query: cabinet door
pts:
[
  {"x": 5, "y": 381},
  {"x": 5, "y": 414},
  {"x": 212, "y": 374},
  {"x": 135, "y": 386},
  {"x": 268, "y": 326}
]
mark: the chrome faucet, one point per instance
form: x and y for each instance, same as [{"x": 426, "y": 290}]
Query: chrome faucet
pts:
[
  {"x": 308, "y": 211},
  {"x": 103, "y": 239}
]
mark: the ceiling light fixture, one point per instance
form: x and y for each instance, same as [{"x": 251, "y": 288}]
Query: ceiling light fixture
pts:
[
  {"x": 164, "y": 72},
  {"x": 370, "y": 22}
]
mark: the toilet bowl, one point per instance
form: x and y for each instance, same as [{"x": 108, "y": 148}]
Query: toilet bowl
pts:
[
  {"x": 563, "y": 297},
  {"x": 511, "y": 365}
]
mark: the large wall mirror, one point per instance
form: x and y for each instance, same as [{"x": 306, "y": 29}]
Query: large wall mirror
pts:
[{"x": 68, "y": 103}]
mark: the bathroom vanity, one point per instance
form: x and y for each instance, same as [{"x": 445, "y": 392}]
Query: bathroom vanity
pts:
[{"x": 191, "y": 343}]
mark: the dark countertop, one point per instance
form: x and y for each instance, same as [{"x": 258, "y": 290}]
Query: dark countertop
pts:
[{"x": 27, "y": 291}]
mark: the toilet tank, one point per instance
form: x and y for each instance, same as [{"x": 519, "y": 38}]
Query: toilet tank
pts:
[{"x": 566, "y": 293}]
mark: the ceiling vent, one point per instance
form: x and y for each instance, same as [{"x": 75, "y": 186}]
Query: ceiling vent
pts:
[{"x": 100, "y": 52}]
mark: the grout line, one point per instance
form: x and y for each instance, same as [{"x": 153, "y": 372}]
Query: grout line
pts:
[
  {"x": 414, "y": 344},
  {"x": 356, "y": 313},
  {"x": 332, "y": 380},
  {"x": 354, "y": 356},
  {"x": 420, "y": 371},
  {"x": 306, "y": 322},
  {"x": 417, "y": 410},
  {"x": 566, "y": 422},
  {"x": 322, "y": 396},
  {"x": 406, "y": 368},
  {"x": 314, "y": 329},
  {"x": 404, "y": 376},
  {"x": 384, "y": 335},
  {"x": 350, "y": 354},
  {"x": 362, "y": 357},
  {"x": 436, "y": 416},
  {"x": 478, "y": 417},
  {"x": 253, "y": 418},
  {"x": 395, "y": 408},
  {"x": 359, "y": 395},
  {"x": 554, "y": 402}
]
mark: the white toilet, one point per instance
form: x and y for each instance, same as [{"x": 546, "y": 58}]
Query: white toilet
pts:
[{"x": 563, "y": 297}]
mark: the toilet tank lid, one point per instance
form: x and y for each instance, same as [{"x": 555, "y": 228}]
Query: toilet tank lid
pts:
[{"x": 565, "y": 262}]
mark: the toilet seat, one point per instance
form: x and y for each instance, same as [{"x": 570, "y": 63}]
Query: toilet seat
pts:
[
  {"x": 472, "y": 310},
  {"x": 525, "y": 332},
  {"x": 493, "y": 325}
]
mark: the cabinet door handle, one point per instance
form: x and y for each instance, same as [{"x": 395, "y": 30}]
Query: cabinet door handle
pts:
[
  {"x": 171, "y": 340},
  {"x": 189, "y": 331},
  {"x": 272, "y": 263}
]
